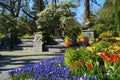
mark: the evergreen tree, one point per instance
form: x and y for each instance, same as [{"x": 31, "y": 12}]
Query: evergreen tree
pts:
[
  {"x": 107, "y": 18},
  {"x": 38, "y": 5},
  {"x": 116, "y": 7}
]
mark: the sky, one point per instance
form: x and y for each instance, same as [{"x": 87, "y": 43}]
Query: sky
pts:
[{"x": 80, "y": 10}]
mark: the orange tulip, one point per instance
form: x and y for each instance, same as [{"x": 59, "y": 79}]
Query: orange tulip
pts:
[
  {"x": 73, "y": 64},
  {"x": 66, "y": 41},
  {"x": 110, "y": 34},
  {"x": 115, "y": 43},
  {"x": 66, "y": 45},
  {"x": 91, "y": 42},
  {"x": 82, "y": 40},
  {"x": 79, "y": 63},
  {"x": 78, "y": 40}
]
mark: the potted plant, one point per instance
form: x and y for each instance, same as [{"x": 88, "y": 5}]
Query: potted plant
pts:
[
  {"x": 67, "y": 41},
  {"x": 91, "y": 41},
  {"x": 106, "y": 36},
  {"x": 81, "y": 38}
]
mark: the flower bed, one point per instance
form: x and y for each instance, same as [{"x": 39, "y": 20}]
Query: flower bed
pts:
[
  {"x": 100, "y": 60},
  {"x": 49, "y": 69}
]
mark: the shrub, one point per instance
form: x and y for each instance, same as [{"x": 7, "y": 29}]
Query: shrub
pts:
[
  {"x": 27, "y": 36},
  {"x": 46, "y": 37},
  {"x": 57, "y": 16},
  {"x": 2, "y": 35}
]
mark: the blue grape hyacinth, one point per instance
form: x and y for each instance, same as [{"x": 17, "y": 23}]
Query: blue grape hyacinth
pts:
[{"x": 49, "y": 69}]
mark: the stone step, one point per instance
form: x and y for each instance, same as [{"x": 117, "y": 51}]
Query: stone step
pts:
[
  {"x": 24, "y": 45},
  {"x": 56, "y": 49},
  {"x": 56, "y": 41},
  {"x": 23, "y": 48},
  {"x": 54, "y": 46},
  {"x": 27, "y": 40},
  {"x": 59, "y": 40},
  {"x": 18, "y": 41}
]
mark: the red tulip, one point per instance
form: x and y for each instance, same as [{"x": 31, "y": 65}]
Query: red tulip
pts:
[
  {"x": 114, "y": 57},
  {"x": 106, "y": 58},
  {"x": 89, "y": 66}
]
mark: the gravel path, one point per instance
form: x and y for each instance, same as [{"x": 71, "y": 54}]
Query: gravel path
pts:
[{"x": 13, "y": 59}]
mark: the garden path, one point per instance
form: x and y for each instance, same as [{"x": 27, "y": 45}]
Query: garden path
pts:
[{"x": 13, "y": 59}]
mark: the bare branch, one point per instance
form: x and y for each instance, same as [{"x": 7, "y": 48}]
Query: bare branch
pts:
[
  {"x": 29, "y": 14},
  {"x": 18, "y": 8},
  {"x": 5, "y": 6},
  {"x": 13, "y": 22},
  {"x": 94, "y": 1},
  {"x": 46, "y": 2}
]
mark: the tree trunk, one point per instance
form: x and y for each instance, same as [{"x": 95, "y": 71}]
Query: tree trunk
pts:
[
  {"x": 41, "y": 4},
  {"x": 46, "y": 2},
  {"x": 19, "y": 7},
  {"x": 54, "y": 2},
  {"x": 86, "y": 9}
]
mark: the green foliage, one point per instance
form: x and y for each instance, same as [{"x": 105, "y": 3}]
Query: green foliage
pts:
[
  {"x": 78, "y": 61},
  {"x": 73, "y": 56},
  {"x": 91, "y": 61},
  {"x": 107, "y": 18},
  {"x": 27, "y": 36},
  {"x": 22, "y": 77},
  {"x": 73, "y": 31},
  {"x": 56, "y": 16},
  {"x": 106, "y": 36},
  {"x": 81, "y": 36},
  {"x": 101, "y": 44},
  {"x": 6, "y": 25},
  {"x": 26, "y": 27},
  {"x": 37, "y": 5},
  {"x": 2, "y": 35},
  {"x": 116, "y": 7},
  {"x": 46, "y": 37},
  {"x": 104, "y": 21}
]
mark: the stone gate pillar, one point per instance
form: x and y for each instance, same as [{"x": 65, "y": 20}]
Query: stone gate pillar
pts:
[
  {"x": 8, "y": 41},
  {"x": 37, "y": 45},
  {"x": 89, "y": 34}
]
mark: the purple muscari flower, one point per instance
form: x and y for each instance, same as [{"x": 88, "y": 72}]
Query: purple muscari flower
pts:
[
  {"x": 92, "y": 78},
  {"x": 51, "y": 69},
  {"x": 11, "y": 73},
  {"x": 84, "y": 78},
  {"x": 59, "y": 78},
  {"x": 67, "y": 79},
  {"x": 78, "y": 77},
  {"x": 75, "y": 77}
]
